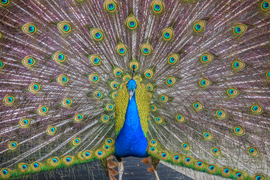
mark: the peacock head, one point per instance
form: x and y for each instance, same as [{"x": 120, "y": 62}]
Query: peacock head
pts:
[{"x": 131, "y": 86}]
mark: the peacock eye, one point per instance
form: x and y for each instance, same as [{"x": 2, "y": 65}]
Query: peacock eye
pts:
[
  {"x": 29, "y": 28},
  {"x": 239, "y": 29},
  {"x": 265, "y": 5},
  {"x": 167, "y": 34},
  {"x": 96, "y": 34},
  {"x": 157, "y": 6},
  {"x": 4, "y": 2},
  {"x": 64, "y": 27},
  {"x": 94, "y": 78}
]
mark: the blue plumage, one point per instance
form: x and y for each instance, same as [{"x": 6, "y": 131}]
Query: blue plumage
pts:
[{"x": 131, "y": 140}]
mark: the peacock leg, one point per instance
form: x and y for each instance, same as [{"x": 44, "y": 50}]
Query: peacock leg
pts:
[
  {"x": 120, "y": 167},
  {"x": 154, "y": 162},
  {"x": 156, "y": 174}
]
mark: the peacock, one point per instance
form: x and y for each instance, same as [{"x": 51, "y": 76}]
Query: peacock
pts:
[{"x": 185, "y": 82}]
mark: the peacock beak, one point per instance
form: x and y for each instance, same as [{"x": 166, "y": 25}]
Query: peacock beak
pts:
[{"x": 131, "y": 93}]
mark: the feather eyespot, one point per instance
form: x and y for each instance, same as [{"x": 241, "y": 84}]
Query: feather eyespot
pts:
[
  {"x": 180, "y": 118},
  {"x": 59, "y": 57},
  {"x": 51, "y": 130},
  {"x": 197, "y": 106},
  {"x": 148, "y": 73},
  {"x": 110, "y": 6},
  {"x": 2, "y": 64},
  {"x": 265, "y": 5},
  {"x": 239, "y": 29},
  {"x": 94, "y": 78},
  {"x": 153, "y": 149},
  {"x": 64, "y": 27},
  {"x": 121, "y": 49},
  {"x": 176, "y": 157},
  {"x": 163, "y": 98},
  {"x": 114, "y": 85},
  {"x": 153, "y": 143},
  {"x": 138, "y": 78},
  {"x": 62, "y": 79},
  {"x": 5, "y": 173},
  {"x": 258, "y": 177},
  {"x": 118, "y": 72},
  {"x": 221, "y": 114},
  {"x": 109, "y": 107},
  {"x": 68, "y": 160},
  {"x": 206, "y": 58},
  {"x": 28, "y": 62},
  {"x": 163, "y": 155},
  {"x": 153, "y": 107},
  {"x": 267, "y": 74},
  {"x": 157, "y": 6},
  {"x": 54, "y": 161},
  {"x": 29, "y": 28},
  {"x": 238, "y": 65},
  {"x": 78, "y": 118},
  {"x": 100, "y": 154},
  {"x": 12, "y": 145},
  {"x": 159, "y": 119},
  {"x": 204, "y": 83},
  {"x": 66, "y": 102},
  {"x": 4, "y": 2},
  {"x": 167, "y": 33},
  {"x": 109, "y": 141},
  {"x": 238, "y": 131},
  {"x": 76, "y": 141},
  {"x": 24, "y": 123},
  {"x": 239, "y": 175},
  {"x": 34, "y": 87},
  {"x": 87, "y": 154},
  {"x": 232, "y": 92},
  {"x": 98, "y": 94},
  {"x": 185, "y": 146},
  {"x": 149, "y": 87},
  {"x": 42, "y": 110},
  {"x": 131, "y": 22},
  {"x": 94, "y": 59},
  {"x": 134, "y": 64},
  {"x": 256, "y": 109},
  {"x": 211, "y": 169},
  {"x": 170, "y": 81},
  {"x": 173, "y": 59},
  {"x": 9, "y": 100},
  {"x": 215, "y": 151},
  {"x": 127, "y": 78},
  {"x": 208, "y": 136},
  {"x": 114, "y": 95},
  {"x": 105, "y": 118},
  {"x": 226, "y": 172},
  {"x": 188, "y": 160},
  {"x": 199, "y": 26},
  {"x": 146, "y": 49},
  {"x": 199, "y": 164},
  {"x": 36, "y": 166},
  {"x": 107, "y": 147},
  {"x": 96, "y": 34},
  {"x": 23, "y": 167},
  {"x": 252, "y": 151}
]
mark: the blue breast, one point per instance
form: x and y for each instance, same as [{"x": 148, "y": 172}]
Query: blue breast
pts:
[{"x": 131, "y": 140}]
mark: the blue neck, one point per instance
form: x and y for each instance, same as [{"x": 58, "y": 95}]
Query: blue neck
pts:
[{"x": 131, "y": 140}]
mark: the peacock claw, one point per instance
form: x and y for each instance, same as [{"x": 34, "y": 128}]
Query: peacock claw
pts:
[{"x": 120, "y": 169}]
